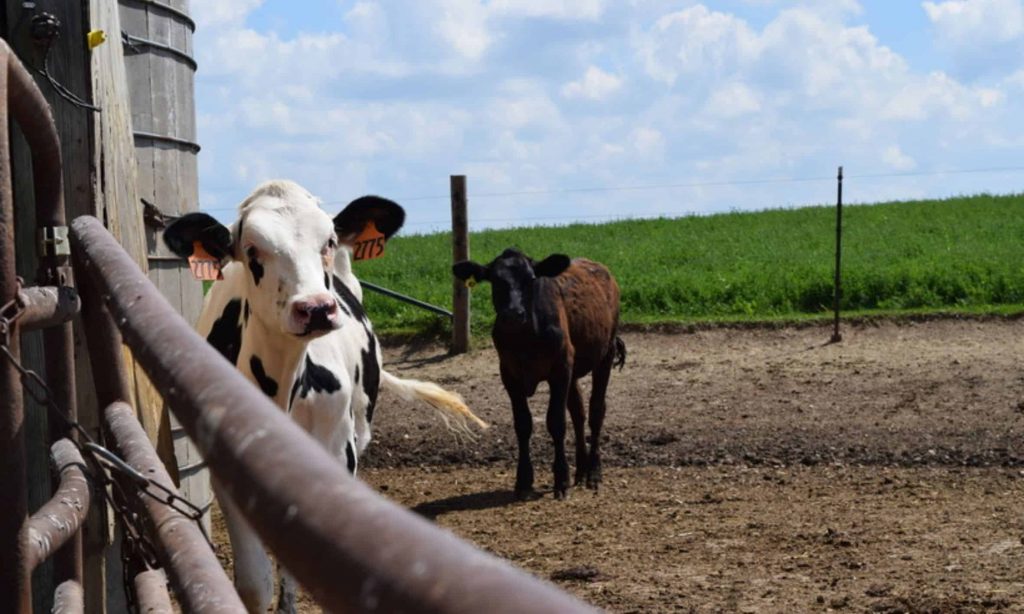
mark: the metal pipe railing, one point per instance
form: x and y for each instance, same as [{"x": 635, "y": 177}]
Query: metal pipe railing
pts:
[
  {"x": 46, "y": 306},
  {"x": 60, "y": 518},
  {"x": 347, "y": 545},
  {"x": 194, "y": 569},
  {"x": 151, "y": 593},
  {"x": 68, "y": 598}
]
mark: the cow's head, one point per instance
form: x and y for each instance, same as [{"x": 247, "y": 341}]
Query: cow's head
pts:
[
  {"x": 288, "y": 245},
  {"x": 512, "y": 276}
]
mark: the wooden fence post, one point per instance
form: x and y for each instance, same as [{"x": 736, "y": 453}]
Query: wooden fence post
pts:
[{"x": 460, "y": 251}]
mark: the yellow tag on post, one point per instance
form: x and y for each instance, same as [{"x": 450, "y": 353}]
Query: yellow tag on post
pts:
[
  {"x": 204, "y": 266},
  {"x": 369, "y": 244}
]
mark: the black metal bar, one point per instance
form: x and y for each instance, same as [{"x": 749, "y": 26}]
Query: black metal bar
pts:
[
  {"x": 61, "y": 517},
  {"x": 836, "y": 336},
  {"x": 297, "y": 497},
  {"x": 131, "y": 42},
  {"x": 406, "y": 299},
  {"x": 163, "y": 138}
]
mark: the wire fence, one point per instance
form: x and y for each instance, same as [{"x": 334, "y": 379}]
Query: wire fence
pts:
[{"x": 438, "y": 224}]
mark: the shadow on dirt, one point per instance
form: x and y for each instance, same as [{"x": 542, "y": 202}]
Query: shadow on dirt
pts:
[{"x": 476, "y": 501}]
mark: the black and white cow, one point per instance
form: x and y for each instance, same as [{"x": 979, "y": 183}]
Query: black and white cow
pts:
[{"x": 288, "y": 313}]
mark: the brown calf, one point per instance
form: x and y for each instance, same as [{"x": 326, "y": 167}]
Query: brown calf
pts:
[{"x": 557, "y": 320}]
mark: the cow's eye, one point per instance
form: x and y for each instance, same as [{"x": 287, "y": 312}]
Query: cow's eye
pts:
[{"x": 330, "y": 245}]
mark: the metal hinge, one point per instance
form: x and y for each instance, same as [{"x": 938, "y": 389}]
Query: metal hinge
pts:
[{"x": 53, "y": 241}]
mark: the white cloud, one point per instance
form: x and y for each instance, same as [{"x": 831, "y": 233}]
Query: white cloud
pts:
[
  {"x": 974, "y": 22},
  {"x": 463, "y": 25},
  {"x": 218, "y": 13},
  {"x": 732, "y": 100},
  {"x": 897, "y": 160},
  {"x": 552, "y": 9},
  {"x": 595, "y": 84}
]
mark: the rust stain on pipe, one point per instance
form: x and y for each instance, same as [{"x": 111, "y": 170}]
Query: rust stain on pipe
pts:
[
  {"x": 350, "y": 547},
  {"x": 61, "y": 517}
]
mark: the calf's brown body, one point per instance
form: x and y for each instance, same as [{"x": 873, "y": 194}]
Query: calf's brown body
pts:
[{"x": 564, "y": 328}]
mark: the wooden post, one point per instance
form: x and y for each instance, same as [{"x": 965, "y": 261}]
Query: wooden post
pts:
[
  {"x": 460, "y": 251},
  {"x": 836, "y": 336}
]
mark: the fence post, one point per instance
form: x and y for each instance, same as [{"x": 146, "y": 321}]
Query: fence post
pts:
[
  {"x": 836, "y": 336},
  {"x": 460, "y": 251}
]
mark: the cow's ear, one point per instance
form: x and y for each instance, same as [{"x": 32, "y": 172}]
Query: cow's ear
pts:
[
  {"x": 551, "y": 266},
  {"x": 182, "y": 233},
  {"x": 467, "y": 269},
  {"x": 387, "y": 216}
]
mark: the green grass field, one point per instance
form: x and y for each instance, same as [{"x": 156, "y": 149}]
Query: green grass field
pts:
[{"x": 960, "y": 254}]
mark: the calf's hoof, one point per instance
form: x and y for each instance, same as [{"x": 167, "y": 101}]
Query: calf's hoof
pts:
[
  {"x": 524, "y": 494},
  {"x": 594, "y": 480},
  {"x": 561, "y": 494}
]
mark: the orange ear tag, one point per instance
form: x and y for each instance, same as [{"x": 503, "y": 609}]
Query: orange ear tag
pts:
[
  {"x": 204, "y": 266},
  {"x": 369, "y": 244}
]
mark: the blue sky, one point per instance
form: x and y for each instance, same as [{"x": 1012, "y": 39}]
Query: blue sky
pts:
[{"x": 562, "y": 110}]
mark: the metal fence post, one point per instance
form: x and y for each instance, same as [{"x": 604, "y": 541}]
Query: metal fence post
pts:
[
  {"x": 836, "y": 336},
  {"x": 460, "y": 251}
]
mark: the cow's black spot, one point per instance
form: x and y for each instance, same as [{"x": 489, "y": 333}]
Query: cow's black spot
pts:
[
  {"x": 255, "y": 267},
  {"x": 314, "y": 378},
  {"x": 245, "y": 313},
  {"x": 226, "y": 334},
  {"x": 267, "y": 383},
  {"x": 350, "y": 457},
  {"x": 327, "y": 280},
  {"x": 371, "y": 374},
  {"x": 357, "y": 374},
  {"x": 349, "y": 302}
]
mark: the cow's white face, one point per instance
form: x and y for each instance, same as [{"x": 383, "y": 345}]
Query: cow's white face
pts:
[{"x": 288, "y": 245}]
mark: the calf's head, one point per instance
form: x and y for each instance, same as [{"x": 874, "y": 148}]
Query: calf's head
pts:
[
  {"x": 288, "y": 246},
  {"x": 512, "y": 276}
]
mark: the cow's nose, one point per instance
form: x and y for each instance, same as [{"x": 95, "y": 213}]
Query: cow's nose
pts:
[{"x": 315, "y": 312}]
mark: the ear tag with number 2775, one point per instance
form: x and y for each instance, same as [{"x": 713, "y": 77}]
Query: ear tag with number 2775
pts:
[
  {"x": 369, "y": 244},
  {"x": 204, "y": 266}
]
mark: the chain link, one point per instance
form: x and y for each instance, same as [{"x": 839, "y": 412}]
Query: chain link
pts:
[{"x": 103, "y": 465}]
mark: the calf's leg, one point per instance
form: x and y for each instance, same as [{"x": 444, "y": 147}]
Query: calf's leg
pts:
[
  {"x": 597, "y": 409},
  {"x": 254, "y": 571},
  {"x": 524, "y": 429},
  {"x": 576, "y": 413},
  {"x": 556, "y": 427}
]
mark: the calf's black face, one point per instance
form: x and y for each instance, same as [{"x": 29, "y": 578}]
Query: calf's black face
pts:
[{"x": 512, "y": 276}]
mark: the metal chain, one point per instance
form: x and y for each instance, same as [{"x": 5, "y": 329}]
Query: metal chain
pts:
[{"x": 100, "y": 456}]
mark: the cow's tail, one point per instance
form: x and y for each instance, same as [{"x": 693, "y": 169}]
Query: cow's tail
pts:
[
  {"x": 449, "y": 404},
  {"x": 620, "y": 353}
]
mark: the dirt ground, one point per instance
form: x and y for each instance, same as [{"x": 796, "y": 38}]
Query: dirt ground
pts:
[{"x": 750, "y": 470}]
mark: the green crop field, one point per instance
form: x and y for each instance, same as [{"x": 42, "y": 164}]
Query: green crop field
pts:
[{"x": 960, "y": 254}]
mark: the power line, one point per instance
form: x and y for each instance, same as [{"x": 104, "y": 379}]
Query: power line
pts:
[{"x": 695, "y": 184}]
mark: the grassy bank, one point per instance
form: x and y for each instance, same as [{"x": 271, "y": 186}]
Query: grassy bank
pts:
[{"x": 963, "y": 254}]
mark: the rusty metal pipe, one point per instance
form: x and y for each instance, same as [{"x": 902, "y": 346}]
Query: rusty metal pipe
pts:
[
  {"x": 350, "y": 547},
  {"x": 151, "y": 592},
  {"x": 68, "y": 598},
  {"x": 198, "y": 578},
  {"x": 15, "y": 581},
  {"x": 61, "y": 517},
  {"x": 47, "y": 306}
]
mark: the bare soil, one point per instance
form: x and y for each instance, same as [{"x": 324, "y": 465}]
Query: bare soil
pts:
[{"x": 750, "y": 470}]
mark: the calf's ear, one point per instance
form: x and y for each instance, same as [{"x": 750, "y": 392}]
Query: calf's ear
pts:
[
  {"x": 467, "y": 269},
  {"x": 183, "y": 232},
  {"x": 387, "y": 216},
  {"x": 551, "y": 266}
]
